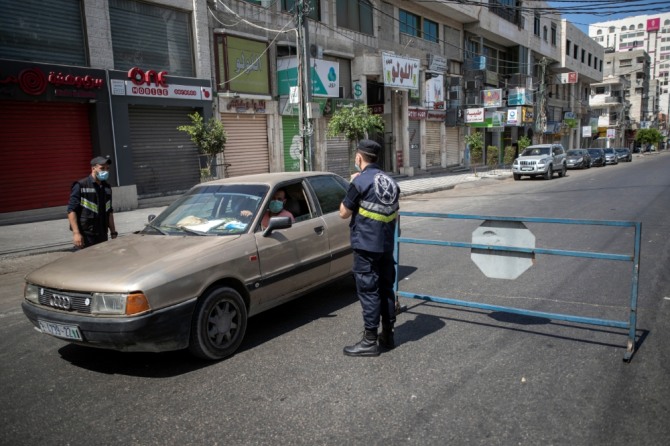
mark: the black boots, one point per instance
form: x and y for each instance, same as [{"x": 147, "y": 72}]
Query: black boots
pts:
[
  {"x": 365, "y": 347},
  {"x": 386, "y": 337}
]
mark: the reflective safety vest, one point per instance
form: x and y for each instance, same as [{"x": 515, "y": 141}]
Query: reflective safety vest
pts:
[
  {"x": 92, "y": 213},
  {"x": 373, "y": 222}
]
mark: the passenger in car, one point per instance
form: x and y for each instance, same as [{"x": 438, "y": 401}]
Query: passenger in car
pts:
[{"x": 276, "y": 208}]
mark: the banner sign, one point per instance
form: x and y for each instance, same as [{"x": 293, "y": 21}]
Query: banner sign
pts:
[
  {"x": 400, "y": 71},
  {"x": 492, "y": 98},
  {"x": 473, "y": 115}
]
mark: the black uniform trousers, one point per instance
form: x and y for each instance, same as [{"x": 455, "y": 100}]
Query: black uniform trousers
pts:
[{"x": 374, "y": 273}]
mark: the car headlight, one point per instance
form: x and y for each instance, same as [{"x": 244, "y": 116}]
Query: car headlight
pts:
[
  {"x": 31, "y": 293},
  {"x": 541, "y": 163},
  {"x": 114, "y": 303}
]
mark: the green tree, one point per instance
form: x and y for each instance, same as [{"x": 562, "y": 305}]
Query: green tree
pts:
[
  {"x": 355, "y": 123},
  {"x": 476, "y": 142},
  {"x": 648, "y": 136},
  {"x": 523, "y": 142},
  {"x": 492, "y": 155},
  {"x": 209, "y": 137}
]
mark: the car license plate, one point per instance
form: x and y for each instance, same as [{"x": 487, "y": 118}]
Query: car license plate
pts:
[
  {"x": 526, "y": 168},
  {"x": 61, "y": 331}
]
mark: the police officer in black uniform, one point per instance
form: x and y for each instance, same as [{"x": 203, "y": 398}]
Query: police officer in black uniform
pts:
[
  {"x": 89, "y": 210},
  {"x": 372, "y": 204}
]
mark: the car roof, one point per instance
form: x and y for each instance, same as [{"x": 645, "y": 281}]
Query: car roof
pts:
[{"x": 269, "y": 179}]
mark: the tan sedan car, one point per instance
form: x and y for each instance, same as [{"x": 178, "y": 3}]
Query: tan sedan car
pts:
[{"x": 195, "y": 273}]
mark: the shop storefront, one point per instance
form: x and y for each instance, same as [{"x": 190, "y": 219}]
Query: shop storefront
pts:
[
  {"x": 147, "y": 107},
  {"x": 246, "y": 124},
  {"x": 53, "y": 120}
]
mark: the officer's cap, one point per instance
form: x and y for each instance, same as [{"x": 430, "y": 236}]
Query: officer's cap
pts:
[
  {"x": 102, "y": 160},
  {"x": 369, "y": 147}
]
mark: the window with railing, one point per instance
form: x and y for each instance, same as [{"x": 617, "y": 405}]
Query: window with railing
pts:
[
  {"x": 311, "y": 8},
  {"x": 506, "y": 9}
]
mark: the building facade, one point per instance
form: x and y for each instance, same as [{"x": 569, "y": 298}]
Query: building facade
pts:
[{"x": 650, "y": 33}]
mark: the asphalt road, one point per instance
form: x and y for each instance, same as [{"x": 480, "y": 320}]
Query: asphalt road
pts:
[{"x": 458, "y": 376}]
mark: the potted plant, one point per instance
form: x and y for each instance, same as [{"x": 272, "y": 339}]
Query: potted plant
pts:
[{"x": 209, "y": 137}]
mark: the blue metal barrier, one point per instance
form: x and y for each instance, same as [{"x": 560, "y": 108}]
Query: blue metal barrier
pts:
[{"x": 630, "y": 324}]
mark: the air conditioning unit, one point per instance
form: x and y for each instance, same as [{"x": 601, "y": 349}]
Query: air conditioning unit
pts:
[
  {"x": 473, "y": 85},
  {"x": 472, "y": 100}
]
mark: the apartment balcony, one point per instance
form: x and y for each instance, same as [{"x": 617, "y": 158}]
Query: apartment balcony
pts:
[{"x": 613, "y": 100}]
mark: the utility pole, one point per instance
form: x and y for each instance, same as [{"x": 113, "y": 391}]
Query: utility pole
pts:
[
  {"x": 305, "y": 84},
  {"x": 541, "y": 116}
]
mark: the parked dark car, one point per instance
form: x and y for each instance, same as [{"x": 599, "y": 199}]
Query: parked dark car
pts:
[
  {"x": 578, "y": 159},
  {"x": 623, "y": 154},
  {"x": 597, "y": 157},
  {"x": 610, "y": 156}
]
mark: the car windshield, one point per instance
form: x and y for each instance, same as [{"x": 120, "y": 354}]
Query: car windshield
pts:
[
  {"x": 575, "y": 153},
  {"x": 211, "y": 210},
  {"x": 595, "y": 152},
  {"x": 609, "y": 151},
  {"x": 621, "y": 150},
  {"x": 535, "y": 151}
]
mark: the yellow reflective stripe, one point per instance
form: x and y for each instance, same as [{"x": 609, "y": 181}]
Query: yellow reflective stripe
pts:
[
  {"x": 375, "y": 216},
  {"x": 89, "y": 205},
  {"x": 108, "y": 205}
]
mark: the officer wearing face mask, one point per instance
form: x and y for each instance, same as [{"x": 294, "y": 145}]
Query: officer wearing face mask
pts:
[
  {"x": 276, "y": 208},
  {"x": 89, "y": 210}
]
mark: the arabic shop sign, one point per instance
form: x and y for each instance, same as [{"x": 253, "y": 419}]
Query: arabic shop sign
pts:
[
  {"x": 35, "y": 80},
  {"x": 570, "y": 119},
  {"x": 400, "y": 72},
  {"x": 473, "y": 115},
  {"x": 246, "y": 67},
  {"x": 324, "y": 74}
]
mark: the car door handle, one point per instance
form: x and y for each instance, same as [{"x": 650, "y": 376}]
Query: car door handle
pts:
[{"x": 319, "y": 230}]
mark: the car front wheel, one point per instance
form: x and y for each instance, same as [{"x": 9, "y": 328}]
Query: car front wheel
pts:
[
  {"x": 219, "y": 324},
  {"x": 517, "y": 177}
]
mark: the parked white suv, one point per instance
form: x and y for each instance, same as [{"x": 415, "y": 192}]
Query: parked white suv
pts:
[{"x": 540, "y": 159}]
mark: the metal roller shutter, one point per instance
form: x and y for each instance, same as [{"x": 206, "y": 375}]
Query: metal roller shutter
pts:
[
  {"x": 165, "y": 160},
  {"x": 49, "y": 139},
  {"x": 292, "y": 143},
  {"x": 453, "y": 146},
  {"x": 414, "y": 143},
  {"x": 247, "y": 149},
  {"x": 433, "y": 143},
  {"x": 338, "y": 156}
]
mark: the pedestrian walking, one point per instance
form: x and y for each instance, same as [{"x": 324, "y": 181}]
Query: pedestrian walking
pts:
[
  {"x": 89, "y": 210},
  {"x": 372, "y": 204}
]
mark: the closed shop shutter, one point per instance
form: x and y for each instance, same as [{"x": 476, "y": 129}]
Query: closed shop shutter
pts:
[
  {"x": 453, "y": 146},
  {"x": 433, "y": 143},
  {"x": 49, "y": 139},
  {"x": 247, "y": 150},
  {"x": 338, "y": 156},
  {"x": 165, "y": 160},
  {"x": 414, "y": 143},
  {"x": 292, "y": 143}
]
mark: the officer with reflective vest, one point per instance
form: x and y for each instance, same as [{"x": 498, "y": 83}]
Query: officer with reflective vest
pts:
[
  {"x": 372, "y": 204},
  {"x": 89, "y": 210}
]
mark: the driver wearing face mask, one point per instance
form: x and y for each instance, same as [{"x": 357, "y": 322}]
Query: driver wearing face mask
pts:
[
  {"x": 89, "y": 210},
  {"x": 276, "y": 208}
]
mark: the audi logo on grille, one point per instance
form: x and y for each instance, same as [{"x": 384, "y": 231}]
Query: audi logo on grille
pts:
[{"x": 59, "y": 301}]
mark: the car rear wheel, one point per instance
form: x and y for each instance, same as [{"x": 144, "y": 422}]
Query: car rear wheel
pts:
[
  {"x": 219, "y": 324},
  {"x": 549, "y": 173},
  {"x": 562, "y": 172}
]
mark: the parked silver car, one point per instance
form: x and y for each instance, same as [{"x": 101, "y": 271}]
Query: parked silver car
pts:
[
  {"x": 194, "y": 274},
  {"x": 623, "y": 154},
  {"x": 540, "y": 160},
  {"x": 610, "y": 156}
]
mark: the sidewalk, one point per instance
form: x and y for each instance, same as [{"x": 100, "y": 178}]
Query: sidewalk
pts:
[{"x": 54, "y": 235}]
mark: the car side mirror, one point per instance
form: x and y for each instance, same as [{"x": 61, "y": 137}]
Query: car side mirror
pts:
[
  {"x": 276, "y": 223},
  {"x": 150, "y": 218}
]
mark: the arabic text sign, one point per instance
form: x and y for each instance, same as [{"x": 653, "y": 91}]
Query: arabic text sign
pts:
[
  {"x": 474, "y": 115},
  {"x": 247, "y": 66},
  {"x": 400, "y": 71},
  {"x": 492, "y": 98}
]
